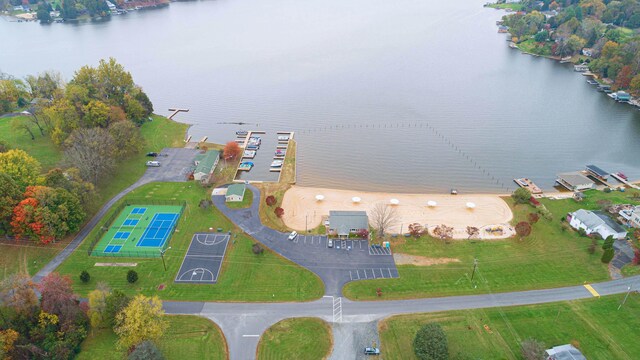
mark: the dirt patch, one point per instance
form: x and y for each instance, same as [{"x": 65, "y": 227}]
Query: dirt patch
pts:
[{"x": 405, "y": 259}]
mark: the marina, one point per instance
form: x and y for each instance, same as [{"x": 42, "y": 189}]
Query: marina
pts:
[{"x": 267, "y": 152}]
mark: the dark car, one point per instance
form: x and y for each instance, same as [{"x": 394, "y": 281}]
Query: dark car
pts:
[{"x": 152, "y": 154}]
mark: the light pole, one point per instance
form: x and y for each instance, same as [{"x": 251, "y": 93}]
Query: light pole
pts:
[
  {"x": 162, "y": 256},
  {"x": 625, "y": 297}
]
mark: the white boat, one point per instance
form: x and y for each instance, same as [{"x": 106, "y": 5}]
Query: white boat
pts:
[
  {"x": 250, "y": 154},
  {"x": 276, "y": 163},
  {"x": 283, "y": 138}
]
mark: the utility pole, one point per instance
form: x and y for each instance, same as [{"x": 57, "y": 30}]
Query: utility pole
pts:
[
  {"x": 162, "y": 256},
  {"x": 625, "y": 297},
  {"x": 475, "y": 265}
]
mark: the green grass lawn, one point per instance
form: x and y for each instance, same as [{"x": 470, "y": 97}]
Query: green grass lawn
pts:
[
  {"x": 595, "y": 326},
  {"x": 244, "y": 277},
  {"x": 245, "y": 203},
  {"x": 24, "y": 258},
  {"x": 42, "y": 148},
  {"x": 188, "y": 337},
  {"x": 298, "y": 338},
  {"x": 552, "y": 256}
]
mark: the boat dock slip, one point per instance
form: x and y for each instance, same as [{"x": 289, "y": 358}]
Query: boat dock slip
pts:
[
  {"x": 529, "y": 185},
  {"x": 176, "y": 111},
  {"x": 269, "y": 150},
  {"x": 624, "y": 181},
  {"x": 597, "y": 172}
]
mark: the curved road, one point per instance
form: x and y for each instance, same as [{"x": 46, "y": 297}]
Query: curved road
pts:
[{"x": 243, "y": 323}]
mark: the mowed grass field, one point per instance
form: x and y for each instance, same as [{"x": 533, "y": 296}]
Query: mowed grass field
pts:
[
  {"x": 188, "y": 337},
  {"x": 552, "y": 256},
  {"x": 595, "y": 326},
  {"x": 41, "y": 148},
  {"x": 297, "y": 338},
  {"x": 244, "y": 275}
]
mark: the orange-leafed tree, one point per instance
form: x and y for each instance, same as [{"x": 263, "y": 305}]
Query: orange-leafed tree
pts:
[
  {"x": 623, "y": 80},
  {"x": 231, "y": 151}
]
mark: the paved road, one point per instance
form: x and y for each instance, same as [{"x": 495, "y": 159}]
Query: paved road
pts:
[
  {"x": 173, "y": 171},
  {"x": 335, "y": 266}
]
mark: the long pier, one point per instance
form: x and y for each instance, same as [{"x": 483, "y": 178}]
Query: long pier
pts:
[
  {"x": 176, "y": 111},
  {"x": 617, "y": 177}
]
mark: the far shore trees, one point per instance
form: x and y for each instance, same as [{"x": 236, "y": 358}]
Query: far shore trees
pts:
[{"x": 383, "y": 217}]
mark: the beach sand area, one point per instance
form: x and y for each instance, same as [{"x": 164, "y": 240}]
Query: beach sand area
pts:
[{"x": 300, "y": 205}]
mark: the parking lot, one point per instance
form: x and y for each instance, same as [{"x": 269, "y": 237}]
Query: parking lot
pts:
[
  {"x": 175, "y": 165},
  {"x": 373, "y": 273}
]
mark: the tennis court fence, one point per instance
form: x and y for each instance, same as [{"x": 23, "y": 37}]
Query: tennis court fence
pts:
[{"x": 106, "y": 224}]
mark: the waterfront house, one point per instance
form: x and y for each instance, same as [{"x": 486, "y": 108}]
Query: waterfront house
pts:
[
  {"x": 596, "y": 222},
  {"x": 631, "y": 216},
  {"x": 622, "y": 96},
  {"x": 575, "y": 181},
  {"x": 343, "y": 223},
  {"x": 235, "y": 193},
  {"x": 205, "y": 164},
  {"x": 564, "y": 352}
]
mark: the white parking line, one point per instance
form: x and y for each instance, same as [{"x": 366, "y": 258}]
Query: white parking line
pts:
[
  {"x": 365, "y": 274},
  {"x": 350, "y": 275},
  {"x": 389, "y": 270},
  {"x": 358, "y": 272},
  {"x": 374, "y": 273}
]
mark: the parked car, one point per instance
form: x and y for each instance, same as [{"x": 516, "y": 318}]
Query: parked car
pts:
[
  {"x": 371, "y": 351},
  {"x": 153, "y": 163},
  {"x": 293, "y": 235},
  {"x": 330, "y": 243},
  {"x": 152, "y": 154}
]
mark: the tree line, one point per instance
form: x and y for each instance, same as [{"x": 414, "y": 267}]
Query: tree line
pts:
[
  {"x": 94, "y": 119},
  {"x": 565, "y": 28},
  {"x": 54, "y": 325}
]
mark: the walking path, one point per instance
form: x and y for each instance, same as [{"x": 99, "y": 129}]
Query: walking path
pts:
[{"x": 354, "y": 322}]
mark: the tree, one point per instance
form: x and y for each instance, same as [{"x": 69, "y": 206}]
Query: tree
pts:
[
  {"x": 10, "y": 196},
  {"x": 85, "y": 276},
  {"x": 257, "y": 249},
  {"x": 363, "y": 233},
  {"x": 523, "y": 229},
  {"x": 270, "y": 200},
  {"x": 231, "y": 150},
  {"x": 45, "y": 85},
  {"x": 20, "y": 166},
  {"x": 521, "y": 195},
  {"x": 533, "y": 218},
  {"x": 115, "y": 302},
  {"x": 132, "y": 276},
  {"x": 146, "y": 350},
  {"x": 623, "y": 80},
  {"x": 608, "y": 243},
  {"x": 56, "y": 293},
  {"x": 91, "y": 151},
  {"x": 71, "y": 181},
  {"x": 7, "y": 338},
  {"x": 416, "y": 230},
  {"x": 127, "y": 139},
  {"x": 43, "y": 14},
  {"x": 96, "y": 113},
  {"x": 98, "y": 308},
  {"x": 17, "y": 292},
  {"x": 430, "y": 343},
  {"x": 634, "y": 85},
  {"x": 383, "y": 217},
  {"x": 279, "y": 212},
  {"x": 607, "y": 256},
  {"x": 20, "y": 124},
  {"x": 142, "y": 320},
  {"x": 532, "y": 349}
]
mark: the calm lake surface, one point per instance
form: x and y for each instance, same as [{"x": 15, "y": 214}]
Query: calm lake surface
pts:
[{"x": 410, "y": 96}]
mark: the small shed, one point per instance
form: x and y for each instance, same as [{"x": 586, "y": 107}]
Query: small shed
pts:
[
  {"x": 343, "y": 223},
  {"x": 235, "y": 192},
  {"x": 205, "y": 164}
]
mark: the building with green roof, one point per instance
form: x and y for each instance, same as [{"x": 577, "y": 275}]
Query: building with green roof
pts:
[
  {"x": 235, "y": 192},
  {"x": 205, "y": 164}
]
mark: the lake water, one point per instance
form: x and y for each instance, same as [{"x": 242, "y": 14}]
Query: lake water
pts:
[{"x": 410, "y": 96}]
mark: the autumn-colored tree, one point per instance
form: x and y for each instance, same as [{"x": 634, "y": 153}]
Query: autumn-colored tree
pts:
[
  {"x": 231, "y": 151},
  {"x": 270, "y": 200},
  {"x": 96, "y": 113},
  {"x": 127, "y": 138},
  {"x": 279, "y": 212},
  {"x": 533, "y": 218},
  {"x": 363, "y": 233},
  {"x": 523, "y": 229},
  {"x": 416, "y": 230},
  {"x": 20, "y": 166},
  {"x": 57, "y": 297},
  {"x": 71, "y": 181},
  {"x": 10, "y": 196},
  {"x": 634, "y": 85},
  {"x": 609, "y": 49},
  {"x": 7, "y": 339},
  {"x": 92, "y": 152},
  {"x": 143, "y": 319},
  {"x": 623, "y": 80},
  {"x": 98, "y": 308},
  {"x": 17, "y": 292}
]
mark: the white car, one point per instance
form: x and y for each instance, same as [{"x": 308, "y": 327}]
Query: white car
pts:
[
  {"x": 293, "y": 235},
  {"x": 330, "y": 243},
  {"x": 153, "y": 163}
]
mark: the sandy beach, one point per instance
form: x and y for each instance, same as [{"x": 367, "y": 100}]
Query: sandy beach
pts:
[{"x": 301, "y": 206}]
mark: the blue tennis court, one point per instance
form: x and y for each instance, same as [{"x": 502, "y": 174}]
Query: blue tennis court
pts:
[
  {"x": 112, "y": 248},
  {"x": 122, "y": 235},
  {"x": 158, "y": 231},
  {"x": 131, "y": 222},
  {"x": 138, "y": 210}
]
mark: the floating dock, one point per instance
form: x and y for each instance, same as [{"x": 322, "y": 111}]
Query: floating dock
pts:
[
  {"x": 626, "y": 182},
  {"x": 176, "y": 111},
  {"x": 528, "y": 184}
]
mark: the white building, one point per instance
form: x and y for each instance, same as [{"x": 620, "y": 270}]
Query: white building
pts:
[
  {"x": 564, "y": 352},
  {"x": 595, "y": 222},
  {"x": 632, "y": 216}
]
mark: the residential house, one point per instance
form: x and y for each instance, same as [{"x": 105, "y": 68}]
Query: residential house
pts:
[
  {"x": 563, "y": 352},
  {"x": 235, "y": 192},
  {"x": 575, "y": 181},
  {"x": 631, "y": 216},
  {"x": 596, "y": 222},
  {"x": 205, "y": 164},
  {"x": 343, "y": 223}
]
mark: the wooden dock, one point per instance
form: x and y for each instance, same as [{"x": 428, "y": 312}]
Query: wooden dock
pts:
[
  {"x": 617, "y": 177},
  {"x": 528, "y": 184},
  {"x": 176, "y": 111}
]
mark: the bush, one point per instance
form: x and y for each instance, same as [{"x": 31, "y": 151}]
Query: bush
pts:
[
  {"x": 607, "y": 256},
  {"x": 545, "y": 213},
  {"x": 84, "y": 276},
  {"x": 257, "y": 249},
  {"x": 279, "y": 212},
  {"x": 132, "y": 276},
  {"x": 270, "y": 200},
  {"x": 521, "y": 196},
  {"x": 523, "y": 229},
  {"x": 608, "y": 243},
  {"x": 146, "y": 350},
  {"x": 430, "y": 343},
  {"x": 532, "y": 349},
  {"x": 533, "y": 218},
  {"x": 607, "y": 190}
]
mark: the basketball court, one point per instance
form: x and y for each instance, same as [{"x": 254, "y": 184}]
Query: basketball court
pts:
[{"x": 202, "y": 263}]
